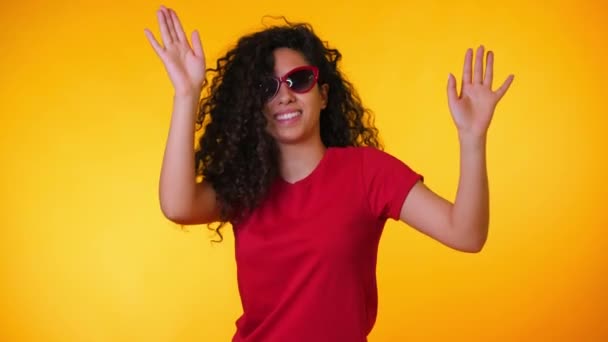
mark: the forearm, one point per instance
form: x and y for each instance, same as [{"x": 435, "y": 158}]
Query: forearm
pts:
[
  {"x": 177, "y": 178},
  {"x": 470, "y": 213}
]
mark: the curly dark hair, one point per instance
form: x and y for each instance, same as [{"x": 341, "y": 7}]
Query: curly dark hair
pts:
[{"x": 235, "y": 153}]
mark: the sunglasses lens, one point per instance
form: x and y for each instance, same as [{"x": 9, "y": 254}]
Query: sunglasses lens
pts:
[
  {"x": 269, "y": 88},
  {"x": 301, "y": 80}
]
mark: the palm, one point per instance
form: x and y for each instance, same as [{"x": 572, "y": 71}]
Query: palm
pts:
[
  {"x": 473, "y": 109},
  {"x": 184, "y": 64}
]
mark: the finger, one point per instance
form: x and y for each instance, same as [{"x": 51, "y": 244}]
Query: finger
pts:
[
  {"x": 505, "y": 86},
  {"x": 177, "y": 26},
  {"x": 196, "y": 44},
  {"x": 170, "y": 25},
  {"x": 466, "y": 73},
  {"x": 164, "y": 31},
  {"x": 478, "y": 73},
  {"x": 157, "y": 48},
  {"x": 487, "y": 81},
  {"x": 452, "y": 92}
]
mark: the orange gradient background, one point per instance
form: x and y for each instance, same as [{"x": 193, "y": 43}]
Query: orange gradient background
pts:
[{"x": 86, "y": 254}]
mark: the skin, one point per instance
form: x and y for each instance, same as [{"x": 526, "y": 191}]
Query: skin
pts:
[
  {"x": 461, "y": 224},
  {"x": 299, "y": 141}
]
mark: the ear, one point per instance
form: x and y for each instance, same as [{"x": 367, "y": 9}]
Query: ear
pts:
[{"x": 324, "y": 90}]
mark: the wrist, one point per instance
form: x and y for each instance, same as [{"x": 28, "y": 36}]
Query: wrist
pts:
[
  {"x": 187, "y": 93},
  {"x": 472, "y": 140}
]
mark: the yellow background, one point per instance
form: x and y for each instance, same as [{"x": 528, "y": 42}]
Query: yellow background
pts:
[{"x": 86, "y": 254}]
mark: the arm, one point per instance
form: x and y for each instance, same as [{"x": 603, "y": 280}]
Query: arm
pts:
[
  {"x": 462, "y": 225},
  {"x": 182, "y": 200}
]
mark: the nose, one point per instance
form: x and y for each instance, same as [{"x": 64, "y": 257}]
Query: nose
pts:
[{"x": 285, "y": 95}]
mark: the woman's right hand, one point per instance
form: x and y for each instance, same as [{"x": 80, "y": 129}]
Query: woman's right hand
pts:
[{"x": 184, "y": 64}]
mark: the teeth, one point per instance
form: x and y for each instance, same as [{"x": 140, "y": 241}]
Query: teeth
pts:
[{"x": 287, "y": 116}]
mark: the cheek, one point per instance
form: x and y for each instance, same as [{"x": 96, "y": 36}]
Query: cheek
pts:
[{"x": 317, "y": 103}]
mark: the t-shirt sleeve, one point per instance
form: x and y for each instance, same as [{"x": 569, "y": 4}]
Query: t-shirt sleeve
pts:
[{"x": 387, "y": 182}]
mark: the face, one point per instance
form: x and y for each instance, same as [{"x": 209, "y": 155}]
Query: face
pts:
[{"x": 293, "y": 117}]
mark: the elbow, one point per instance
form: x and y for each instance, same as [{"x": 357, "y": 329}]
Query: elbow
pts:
[
  {"x": 473, "y": 248},
  {"x": 186, "y": 214},
  {"x": 173, "y": 214},
  {"x": 473, "y": 243},
  {"x": 173, "y": 207},
  {"x": 178, "y": 218}
]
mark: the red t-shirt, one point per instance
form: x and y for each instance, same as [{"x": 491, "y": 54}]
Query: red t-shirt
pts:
[{"x": 306, "y": 257}]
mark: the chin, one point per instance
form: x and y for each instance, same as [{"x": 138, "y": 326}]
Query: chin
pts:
[
  {"x": 288, "y": 139},
  {"x": 295, "y": 134}
]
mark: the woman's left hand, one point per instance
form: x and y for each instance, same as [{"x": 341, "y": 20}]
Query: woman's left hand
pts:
[{"x": 473, "y": 109}]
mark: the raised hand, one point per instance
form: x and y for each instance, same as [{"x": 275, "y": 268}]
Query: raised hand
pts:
[
  {"x": 473, "y": 109},
  {"x": 184, "y": 64}
]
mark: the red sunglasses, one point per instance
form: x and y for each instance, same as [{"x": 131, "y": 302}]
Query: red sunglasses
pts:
[{"x": 299, "y": 80}]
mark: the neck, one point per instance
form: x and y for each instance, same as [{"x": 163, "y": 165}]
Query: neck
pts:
[{"x": 299, "y": 160}]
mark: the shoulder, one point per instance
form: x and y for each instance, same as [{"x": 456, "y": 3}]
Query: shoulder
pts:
[
  {"x": 358, "y": 152},
  {"x": 369, "y": 155},
  {"x": 364, "y": 156}
]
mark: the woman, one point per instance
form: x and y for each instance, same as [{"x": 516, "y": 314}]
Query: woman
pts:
[{"x": 290, "y": 158}]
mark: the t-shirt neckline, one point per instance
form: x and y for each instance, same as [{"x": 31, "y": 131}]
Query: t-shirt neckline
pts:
[{"x": 311, "y": 175}]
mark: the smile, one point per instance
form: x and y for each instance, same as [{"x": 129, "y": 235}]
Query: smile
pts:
[{"x": 287, "y": 116}]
